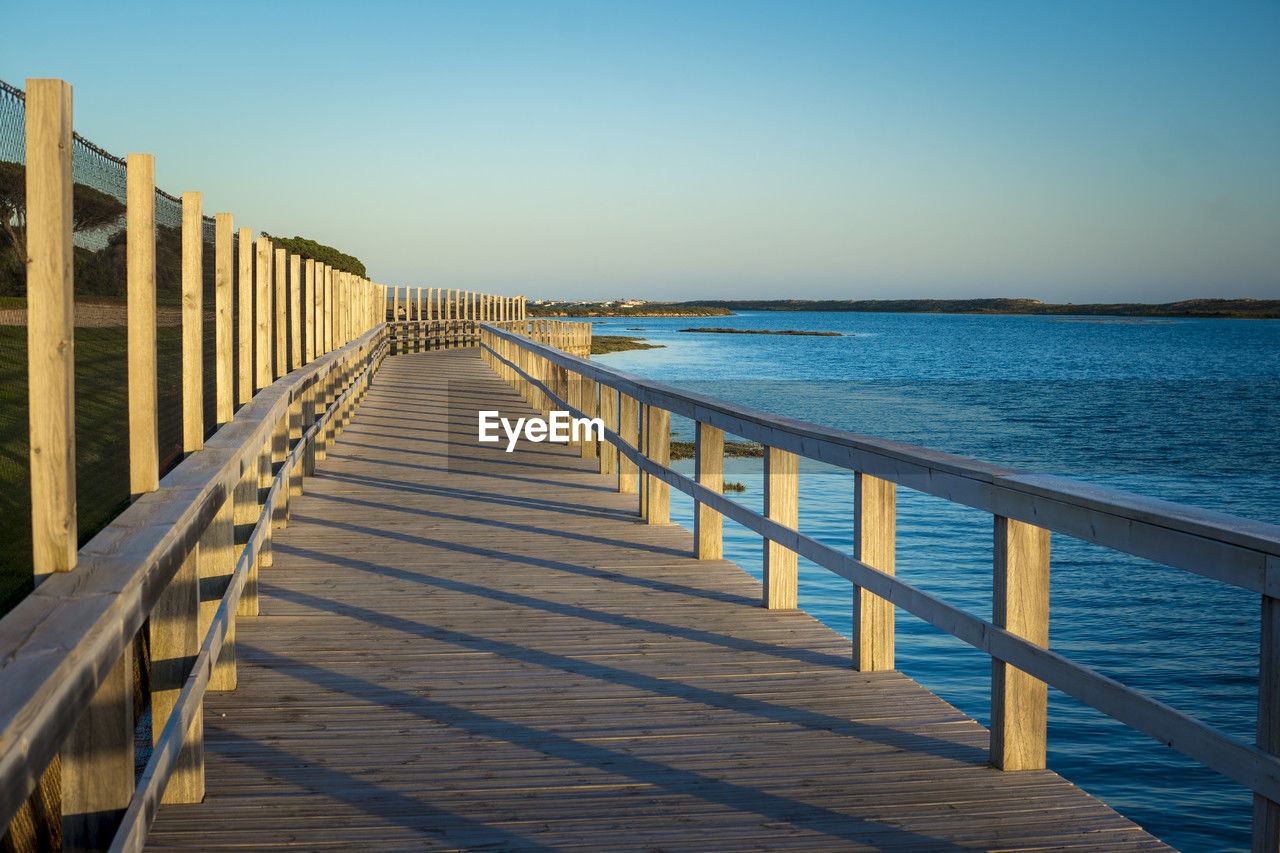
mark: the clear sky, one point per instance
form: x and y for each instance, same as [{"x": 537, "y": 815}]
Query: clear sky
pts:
[{"x": 1065, "y": 151}]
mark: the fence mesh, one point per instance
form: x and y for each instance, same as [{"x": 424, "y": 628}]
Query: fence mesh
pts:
[
  {"x": 15, "y": 483},
  {"x": 101, "y": 352},
  {"x": 101, "y": 337}
]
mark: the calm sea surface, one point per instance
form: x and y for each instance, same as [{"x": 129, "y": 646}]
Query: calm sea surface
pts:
[{"x": 1184, "y": 410}]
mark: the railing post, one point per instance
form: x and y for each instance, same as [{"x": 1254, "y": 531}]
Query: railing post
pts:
[
  {"x": 657, "y": 492},
  {"x": 781, "y": 504},
  {"x": 192, "y": 322},
  {"x": 608, "y": 414},
  {"x": 282, "y": 342},
  {"x": 224, "y": 380},
  {"x": 262, "y": 315},
  {"x": 217, "y": 563},
  {"x": 1266, "y": 814},
  {"x": 708, "y": 525},
  {"x": 395, "y": 320},
  {"x": 629, "y": 432},
  {"x": 173, "y": 626},
  {"x": 875, "y": 507},
  {"x": 309, "y": 329},
  {"x": 50, "y": 369},
  {"x": 51, "y": 328},
  {"x": 590, "y": 408},
  {"x": 246, "y": 333},
  {"x": 295, "y": 311},
  {"x": 1020, "y": 604},
  {"x": 97, "y": 762},
  {"x": 144, "y": 456},
  {"x": 328, "y": 309}
]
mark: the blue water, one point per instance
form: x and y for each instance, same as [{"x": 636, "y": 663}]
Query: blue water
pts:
[{"x": 1185, "y": 410}]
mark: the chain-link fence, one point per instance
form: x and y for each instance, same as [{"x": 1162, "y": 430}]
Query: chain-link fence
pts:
[
  {"x": 101, "y": 352},
  {"x": 15, "y": 485}
]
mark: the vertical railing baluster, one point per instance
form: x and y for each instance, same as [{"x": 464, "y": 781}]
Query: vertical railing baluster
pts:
[
  {"x": 875, "y": 508},
  {"x": 781, "y": 504},
  {"x": 708, "y": 525},
  {"x": 246, "y": 331},
  {"x": 658, "y": 450},
  {"x": 1020, "y": 604}
]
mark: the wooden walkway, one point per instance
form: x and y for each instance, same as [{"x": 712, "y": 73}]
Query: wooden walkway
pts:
[{"x": 464, "y": 649}]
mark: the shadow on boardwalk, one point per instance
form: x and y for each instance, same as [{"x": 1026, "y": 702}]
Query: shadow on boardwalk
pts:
[{"x": 461, "y": 648}]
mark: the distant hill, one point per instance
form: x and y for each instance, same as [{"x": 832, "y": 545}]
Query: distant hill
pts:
[{"x": 1223, "y": 308}]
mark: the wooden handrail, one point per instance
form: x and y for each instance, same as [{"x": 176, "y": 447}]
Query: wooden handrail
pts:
[
  {"x": 1216, "y": 545},
  {"x": 63, "y": 638},
  {"x": 1223, "y": 547}
]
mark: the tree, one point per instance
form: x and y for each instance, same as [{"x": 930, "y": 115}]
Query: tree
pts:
[
  {"x": 319, "y": 252},
  {"x": 90, "y": 208}
]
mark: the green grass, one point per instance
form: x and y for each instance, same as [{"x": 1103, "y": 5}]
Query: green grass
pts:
[
  {"x": 734, "y": 487},
  {"x": 740, "y": 449},
  {"x": 102, "y": 449},
  {"x": 602, "y": 344}
]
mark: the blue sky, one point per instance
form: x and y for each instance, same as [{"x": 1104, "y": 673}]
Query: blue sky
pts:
[{"x": 1082, "y": 151}]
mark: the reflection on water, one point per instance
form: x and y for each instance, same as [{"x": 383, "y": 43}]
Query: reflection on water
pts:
[{"x": 1183, "y": 411}]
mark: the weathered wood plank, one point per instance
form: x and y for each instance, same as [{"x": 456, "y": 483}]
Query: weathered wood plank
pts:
[
  {"x": 144, "y": 456},
  {"x": 875, "y": 527},
  {"x": 50, "y": 330}
]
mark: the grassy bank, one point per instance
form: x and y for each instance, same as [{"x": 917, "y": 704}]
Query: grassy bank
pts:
[{"x": 604, "y": 344}]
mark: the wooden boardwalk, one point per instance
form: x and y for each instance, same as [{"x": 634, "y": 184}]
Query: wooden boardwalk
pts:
[{"x": 464, "y": 649}]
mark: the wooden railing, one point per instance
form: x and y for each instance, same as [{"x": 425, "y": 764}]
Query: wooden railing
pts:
[
  {"x": 572, "y": 337},
  {"x": 417, "y": 335},
  {"x": 1025, "y": 509},
  {"x": 148, "y": 606}
]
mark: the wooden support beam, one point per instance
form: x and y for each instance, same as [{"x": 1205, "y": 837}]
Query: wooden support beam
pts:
[
  {"x": 591, "y": 409},
  {"x": 144, "y": 456},
  {"x": 875, "y": 507},
  {"x": 329, "y": 336},
  {"x": 175, "y": 641},
  {"x": 192, "y": 322},
  {"x": 224, "y": 363},
  {"x": 217, "y": 563},
  {"x": 245, "y": 514},
  {"x": 629, "y": 431},
  {"x": 1020, "y": 604},
  {"x": 708, "y": 525},
  {"x": 281, "y": 297},
  {"x": 295, "y": 311},
  {"x": 262, "y": 314},
  {"x": 658, "y": 493},
  {"x": 97, "y": 763},
  {"x": 608, "y": 414},
  {"x": 50, "y": 328},
  {"x": 781, "y": 504},
  {"x": 246, "y": 333},
  {"x": 309, "y": 300}
]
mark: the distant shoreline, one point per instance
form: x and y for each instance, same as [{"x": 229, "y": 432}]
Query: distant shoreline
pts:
[
  {"x": 719, "y": 331},
  {"x": 1238, "y": 309},
  {"x": 1261, "y": 309}
]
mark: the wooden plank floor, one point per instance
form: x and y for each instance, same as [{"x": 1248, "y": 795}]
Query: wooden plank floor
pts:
[{"x": 464, "y": 649}]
